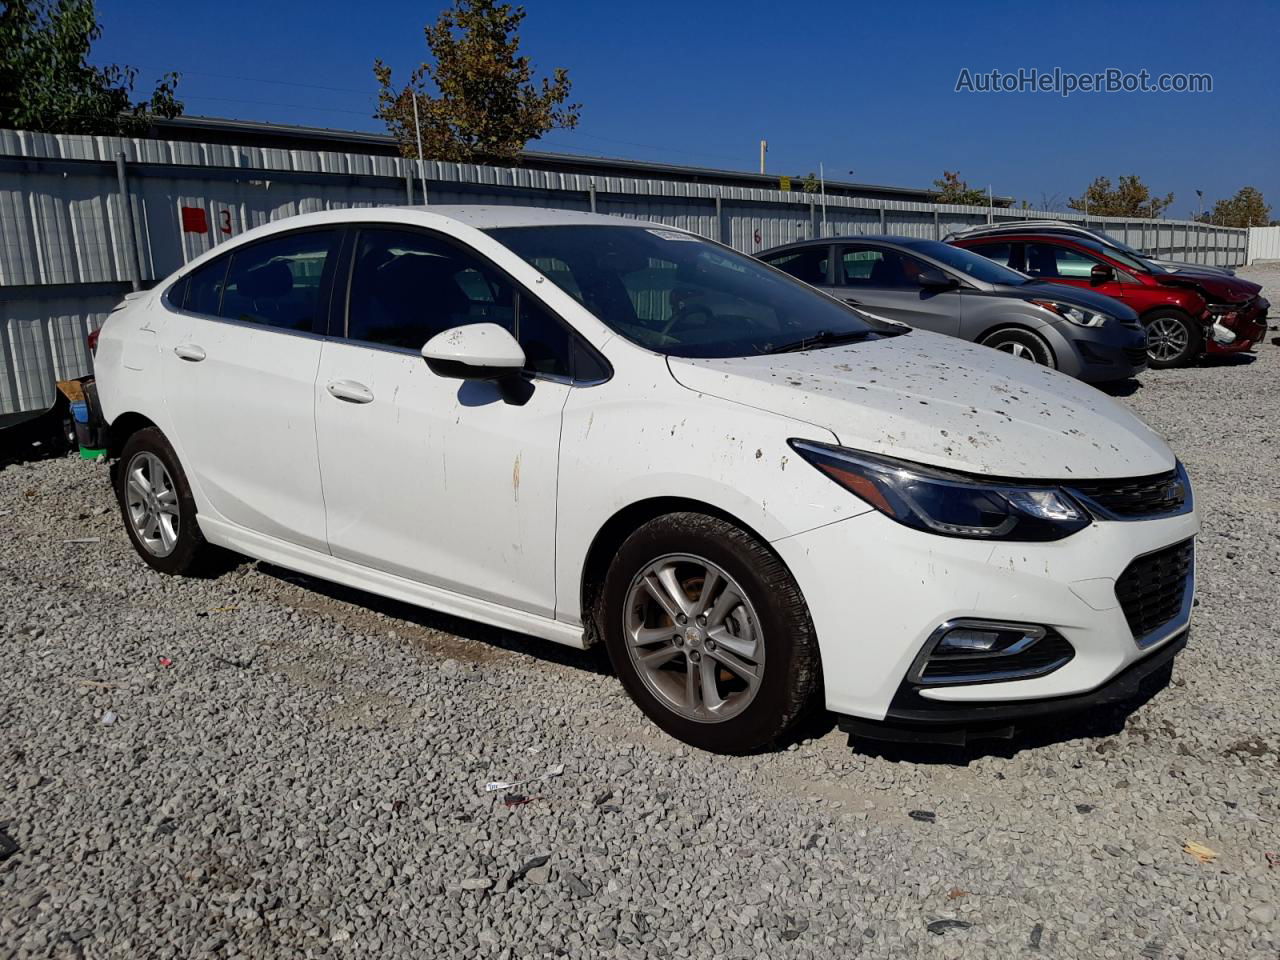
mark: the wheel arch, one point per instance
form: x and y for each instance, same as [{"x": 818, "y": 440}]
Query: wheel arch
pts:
[
  {"x": 122, "y": 428},
  {"x": 621, "y": 525}
]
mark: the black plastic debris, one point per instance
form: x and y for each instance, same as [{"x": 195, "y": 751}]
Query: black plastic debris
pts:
[
  {"x": 939, "y": 927},
  {"x": 1084, "y": 808},
  {"x": 1036, "y": 933},
  {"x": 924, "y": 816}
]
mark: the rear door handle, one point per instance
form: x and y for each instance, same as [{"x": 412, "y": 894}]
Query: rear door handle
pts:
[
  {"x": 349, "y": 391},
  {"x": 853, "y": 302},
  {"x": 189, "y": 351}
]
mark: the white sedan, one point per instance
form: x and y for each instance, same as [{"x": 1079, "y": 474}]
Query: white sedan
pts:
[{"x": 592, "y": 429}]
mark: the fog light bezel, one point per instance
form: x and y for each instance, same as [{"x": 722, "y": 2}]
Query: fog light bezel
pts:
[{"x": 1030, "y": 635}]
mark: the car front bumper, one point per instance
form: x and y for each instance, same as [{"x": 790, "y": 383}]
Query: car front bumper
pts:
[
  {"x": 1098, "y": 354},
  {"x": 1249, "y": 325},
  {"x": 877, "y": 592}
]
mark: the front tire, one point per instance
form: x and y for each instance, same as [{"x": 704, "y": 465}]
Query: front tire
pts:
[
  {"x": 156, "y": 505},
  {"x": 1173, "y": 339},
  {"x": 1022, "y": 344},
  {"x": 709, "y": 633}
]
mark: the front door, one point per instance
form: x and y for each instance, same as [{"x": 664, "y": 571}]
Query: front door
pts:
[
  {"x": 437, "y": 480},
  {"x": 239, "y": 359},
  {"x": 883, "y": 281}
]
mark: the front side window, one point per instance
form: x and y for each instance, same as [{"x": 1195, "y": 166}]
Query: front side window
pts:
[
  {"x": 809, "y": 264},
  {"x": 407, "y": 286},
  {"x": 676, "y": 294},
  {"x": 866, "y": 266},
  {"x": 277, "y": 282},
  {"x": 1050, "y": 260}
]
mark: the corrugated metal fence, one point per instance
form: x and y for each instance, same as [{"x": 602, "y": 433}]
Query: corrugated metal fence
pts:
[
  {"x": 67, "y": 254},
  {"x": 1264, "y": 243}
]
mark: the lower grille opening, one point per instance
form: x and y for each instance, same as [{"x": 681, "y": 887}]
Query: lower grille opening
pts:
[{"x": 1152, "y": 588}]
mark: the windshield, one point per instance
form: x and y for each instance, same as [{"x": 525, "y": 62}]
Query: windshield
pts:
[
  {"x": 1144, "y": 258},
  {"x": 972, "y": 264},
  {"x": 1134, "y": 262},
  {"x": 676, "y": 294}
]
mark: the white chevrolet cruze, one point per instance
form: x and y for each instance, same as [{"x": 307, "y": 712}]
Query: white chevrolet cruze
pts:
[{"x": 587, "y": 429}]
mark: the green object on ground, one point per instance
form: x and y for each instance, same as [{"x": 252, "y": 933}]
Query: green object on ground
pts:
[{"x": 88, "y": 453}]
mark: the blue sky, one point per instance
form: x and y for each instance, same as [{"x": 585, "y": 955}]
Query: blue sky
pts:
[{"x": 867, "y": 88}]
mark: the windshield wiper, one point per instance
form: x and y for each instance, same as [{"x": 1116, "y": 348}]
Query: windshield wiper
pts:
[{"x": 823, "y": 338}]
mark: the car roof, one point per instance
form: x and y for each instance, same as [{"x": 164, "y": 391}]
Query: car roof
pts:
[{"x": 889, "y": 239}]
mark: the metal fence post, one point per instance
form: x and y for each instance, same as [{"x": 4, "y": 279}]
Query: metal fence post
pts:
[
  {"x": 591, "y": 194},
  {"x": 408, "y": 185},
  {"x": 813, "y": 220},
  {"x": 131, "y": 238},
  {"x": 719, "y": 217},
  {"x": 937, "y": 227},
  {"x": 882, "y": 227}
]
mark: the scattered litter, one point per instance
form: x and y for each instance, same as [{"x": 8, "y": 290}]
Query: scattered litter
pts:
[
  {"x": 924, "y": 816},
  {"x": 955, "y": 893},
  {"x": 166, "y": 662},
  {"x": 939, "y": 927},
  {"x": 496, "y": 785},
  {"x": 1084, "y": 808},
  {"x": 516, "y": 799},
  {"x": 1200, "y": 851},
  {"x": 108, "y": 719},
  {"x": 1273, "y": 859},
  {"x": 1036, "y": 933},
  {"x": 8, "y": 846},
  {"x": 83, "y": 540}
]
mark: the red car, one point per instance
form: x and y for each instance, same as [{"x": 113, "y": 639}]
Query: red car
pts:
[{"x": 1186, "y": 315}]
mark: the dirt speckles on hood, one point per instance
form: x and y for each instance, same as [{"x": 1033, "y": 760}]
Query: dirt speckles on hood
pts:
[{"x": 943, "y": 401}]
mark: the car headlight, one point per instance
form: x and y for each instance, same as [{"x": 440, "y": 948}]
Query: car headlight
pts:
[
  {"x": 946, "y": 503},
  {"x": 1069, "y": 311},
  {"x": 1224, "y": 309}
]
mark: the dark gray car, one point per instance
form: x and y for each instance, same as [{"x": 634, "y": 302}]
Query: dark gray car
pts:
[{"x": 935, "y": 286}]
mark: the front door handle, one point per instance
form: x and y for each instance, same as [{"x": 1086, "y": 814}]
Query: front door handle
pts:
[
  {"x": 189, "y": 351},
  {"x": 853, "y": 302},
  {"x": 349, "y": 391}
]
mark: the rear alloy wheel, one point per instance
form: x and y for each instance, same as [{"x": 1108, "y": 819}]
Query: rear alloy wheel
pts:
[
  {"x": 1022, "y": 344},
  {"x": 708, "y": 632},
  {"x": 156, "y": 504},
  {"x": 1172, "y": 339}
]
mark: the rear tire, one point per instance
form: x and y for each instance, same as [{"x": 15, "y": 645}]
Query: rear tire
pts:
[
  {"x": 1022, "y": 344},
  {"x": 1173, "y": 339},
  {"x": 709, "y": 633},
  {"x": 156, "y": 505}
]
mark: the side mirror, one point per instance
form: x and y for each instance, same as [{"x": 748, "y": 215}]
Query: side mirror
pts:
[
  {"x": 477, "y": 351},
  {"x": 1101, "y": 273},
  {"x": 931, "y": 278}
]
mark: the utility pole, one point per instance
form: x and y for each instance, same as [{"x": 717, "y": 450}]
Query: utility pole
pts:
[
  {"x": 991, "y": 206},
  {"x": 764, "y": 146},
  {"x": 822, "y": 186},
  {"x": 417, "y": 129}
]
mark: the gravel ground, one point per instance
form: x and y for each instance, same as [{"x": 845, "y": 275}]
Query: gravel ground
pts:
[{"x": 258, "y": 765}]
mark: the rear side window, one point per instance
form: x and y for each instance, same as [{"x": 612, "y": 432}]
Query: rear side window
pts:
[
  {"x": 204, "y": 288},
  {"x": 1001, "y": 253},
  {"x": 809, "y": 265},
  {"x": 277, "y": 282}
]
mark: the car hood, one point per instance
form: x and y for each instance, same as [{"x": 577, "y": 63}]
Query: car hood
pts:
[
  {"x": 1089, "y": 299},
  {"x": 1215, "y": 288},
  {"x": 942, "y": 401}
]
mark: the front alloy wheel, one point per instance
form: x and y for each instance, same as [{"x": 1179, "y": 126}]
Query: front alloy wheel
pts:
[
  {"x": 709, "y": 633},
  {"x": 694, "y": 638}
]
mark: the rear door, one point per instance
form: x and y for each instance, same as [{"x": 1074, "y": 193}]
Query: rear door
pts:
[
  {"x": 438, "y": 480},
  {"x": 242, "y": 342},
  {"x": 883, "y": 281}
]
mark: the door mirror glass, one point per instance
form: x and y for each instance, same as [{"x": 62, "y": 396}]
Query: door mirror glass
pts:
[
  {"x": 477, "y": 351},
  {"x": 1101, "y": 273},
  {"x": 931, "y": 278}
]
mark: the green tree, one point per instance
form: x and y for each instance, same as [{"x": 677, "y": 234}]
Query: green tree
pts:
[
  {"x": 485, "y": 105},
  {"x": 951, "y": 189},
  {"x": 811, "y": 183},
  {"x": 46, "y": 83},
  {"x": 1246, "y": 209},
  {"x": 1131, "y": 198}
]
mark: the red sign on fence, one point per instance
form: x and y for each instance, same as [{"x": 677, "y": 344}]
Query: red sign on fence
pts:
[{"x": 194, "y": 220}]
